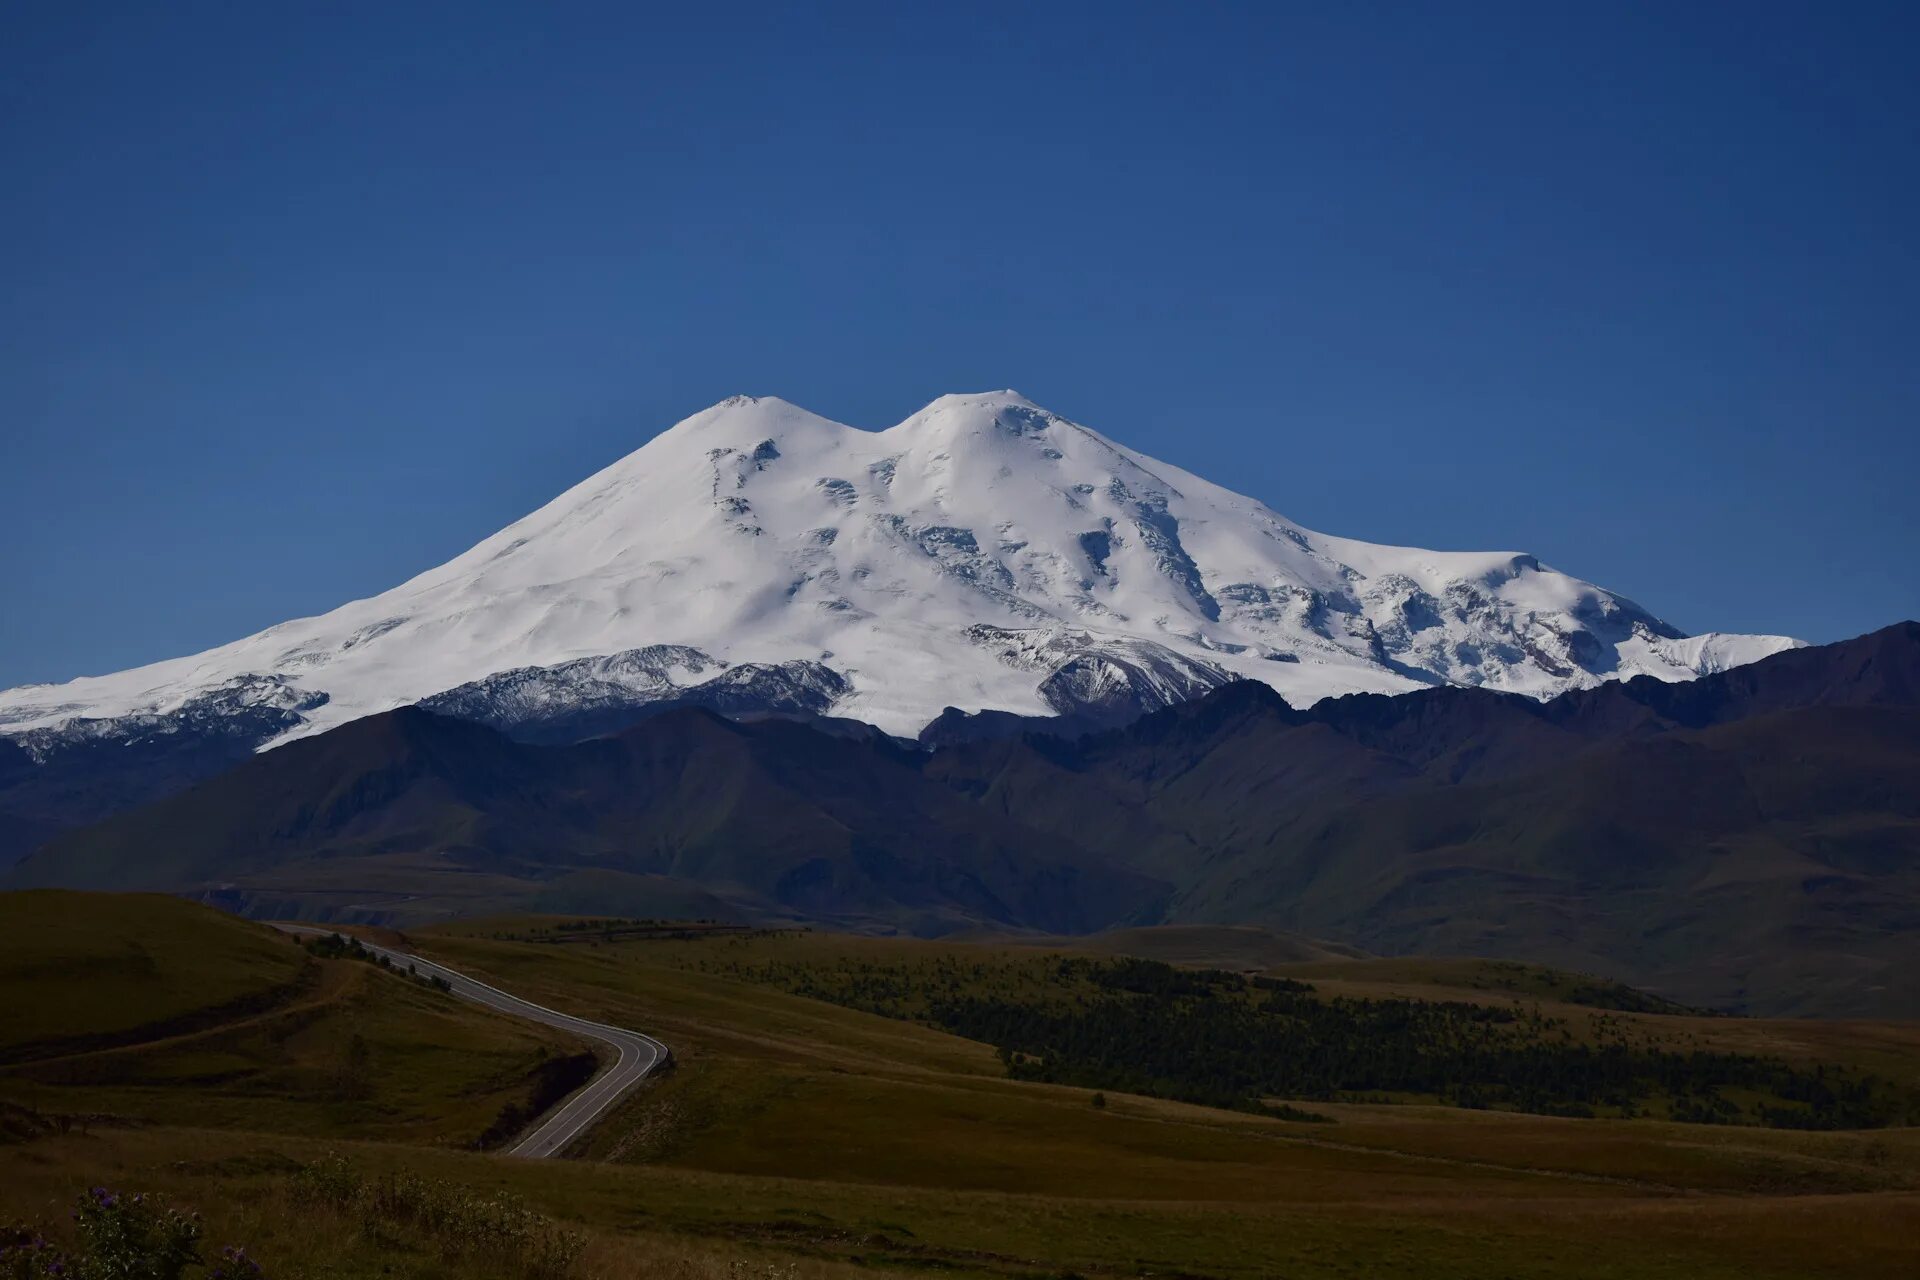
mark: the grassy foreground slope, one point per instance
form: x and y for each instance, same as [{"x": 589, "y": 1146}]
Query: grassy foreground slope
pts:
[
  {"x": 79, "y": 969},
  {"x": 153, "y": 1010},
  {"x": 849, "y": 1112},
  {"x": 805, "y": 1137}
]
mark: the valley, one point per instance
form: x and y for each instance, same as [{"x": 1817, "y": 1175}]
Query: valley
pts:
[{"x": 797, "y": 1132}]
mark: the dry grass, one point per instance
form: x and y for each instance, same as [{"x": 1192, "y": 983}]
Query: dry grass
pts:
[
  {"x": 798, "y": 1139},
  {"x": 640, "y": 1218}
]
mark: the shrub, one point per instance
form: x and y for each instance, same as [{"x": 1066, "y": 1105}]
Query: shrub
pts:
[
  {"x": 462, "y": 1225},
  {"x": 120, "y": 1237}
]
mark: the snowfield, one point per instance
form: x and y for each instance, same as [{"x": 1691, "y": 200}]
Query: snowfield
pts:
[{"x": 985, "y": 554}]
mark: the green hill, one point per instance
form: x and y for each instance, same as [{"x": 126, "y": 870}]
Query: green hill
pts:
[
  {"x": 81, "y": 970},
  {"x": 152, "y": 1009}
]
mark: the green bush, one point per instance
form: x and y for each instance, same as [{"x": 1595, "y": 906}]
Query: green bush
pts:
[{"x": 120, "y": 1237}]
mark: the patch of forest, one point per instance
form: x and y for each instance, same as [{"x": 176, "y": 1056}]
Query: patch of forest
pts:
[
  {"x": 597, "y": 930},
  {"x": 1230, "y": 1040}
]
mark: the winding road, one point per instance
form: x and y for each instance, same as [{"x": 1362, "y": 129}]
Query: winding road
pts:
[{"x": 639, "y": 1054}]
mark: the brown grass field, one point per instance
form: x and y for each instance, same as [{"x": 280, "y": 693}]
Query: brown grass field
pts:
[{"x": 798, "y": 1137}]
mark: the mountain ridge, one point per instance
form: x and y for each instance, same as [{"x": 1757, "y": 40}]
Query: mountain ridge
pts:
[{"x": 1752, "y": 839}]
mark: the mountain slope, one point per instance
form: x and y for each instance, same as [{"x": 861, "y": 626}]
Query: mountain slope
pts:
[
  {"x": 1752, "y": 838},
  {"x": 984, "y": 554},
  {"x": 772, "y": 819}
]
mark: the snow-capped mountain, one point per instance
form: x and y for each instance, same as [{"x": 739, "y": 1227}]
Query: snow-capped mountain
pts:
[{"x": 985, "y": 554}]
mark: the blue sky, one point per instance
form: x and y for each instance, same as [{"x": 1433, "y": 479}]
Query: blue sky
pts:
[{"x": 302, "y": 299}]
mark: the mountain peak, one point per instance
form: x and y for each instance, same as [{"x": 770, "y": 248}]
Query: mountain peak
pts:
[
  {"x": 988, "y": 400},
  {"x": 734, "y": 419},
  {"x": 966, "y": 413},
  {"x": 742, "y": 406},
  {"x": 984, "y": 553}
]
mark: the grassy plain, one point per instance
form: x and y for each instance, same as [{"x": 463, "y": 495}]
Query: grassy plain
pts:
[{"x": 797, "y": 1133}]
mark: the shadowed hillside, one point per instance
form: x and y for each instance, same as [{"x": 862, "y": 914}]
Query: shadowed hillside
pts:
[
  {"x": 1751, "y": 839},
  {"x": 772, "y": 818}
]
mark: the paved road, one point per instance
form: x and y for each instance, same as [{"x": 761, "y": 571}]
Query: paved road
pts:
[{"x": 639, "y": 1055}]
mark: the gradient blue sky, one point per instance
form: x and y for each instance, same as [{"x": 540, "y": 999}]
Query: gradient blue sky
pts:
[{"x": 300, "y": 300}]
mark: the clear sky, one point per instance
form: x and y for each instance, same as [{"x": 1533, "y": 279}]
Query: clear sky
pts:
[{"x": 298, "y": 300}]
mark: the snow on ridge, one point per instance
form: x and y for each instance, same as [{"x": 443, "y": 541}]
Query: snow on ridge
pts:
[{"x": 755, "y": 531}]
